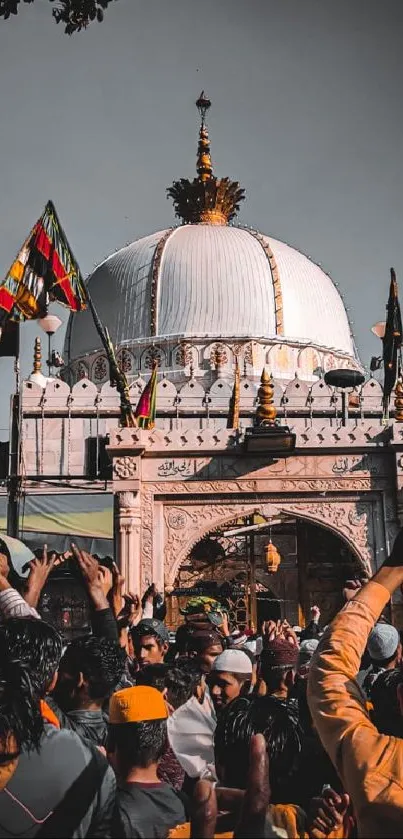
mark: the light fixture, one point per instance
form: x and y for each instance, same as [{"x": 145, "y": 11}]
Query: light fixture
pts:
[
  {"x": 50, "y": 324},
  {"x": 343, "y": 379},
  {"x": 272, "y": 558}
]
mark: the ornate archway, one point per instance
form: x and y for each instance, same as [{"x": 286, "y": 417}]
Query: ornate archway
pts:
[{"x": 186, "y": 526}]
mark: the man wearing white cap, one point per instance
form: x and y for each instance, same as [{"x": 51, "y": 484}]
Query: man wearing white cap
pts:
[
  {"x": 385, "y": 651},
  {"x": 229, "y": 678}
]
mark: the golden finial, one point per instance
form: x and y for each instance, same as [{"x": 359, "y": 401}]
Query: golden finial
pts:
[
  {"x": 266, "y": 411},
  {"x": 205, "y": 199},
  {"x": 37, "y": 376},
  {"x": 204, "y": 165},
  {"x": 37, "y": 368},
  {"x": 399, "y": 399}
]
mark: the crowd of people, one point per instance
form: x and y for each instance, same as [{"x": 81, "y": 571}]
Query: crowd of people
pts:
[{"x": 124, "y": 733}]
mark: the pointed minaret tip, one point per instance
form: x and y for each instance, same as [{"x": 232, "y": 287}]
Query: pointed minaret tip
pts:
[
  {"x": 207, "y": 199},
  {"x": 37, "y": 376},
  {"x": 204, "y": 166},
  {"x": 266, "y": 411},
  {"x": 37, "y": 368}
]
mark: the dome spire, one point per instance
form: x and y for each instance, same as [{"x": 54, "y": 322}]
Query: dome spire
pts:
[
  {"x": 204, "y": 165},
  {"x": 205, "y": 199}
]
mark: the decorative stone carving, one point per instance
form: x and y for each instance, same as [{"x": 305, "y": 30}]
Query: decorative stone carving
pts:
[
  {"x": 176, "y": 518},
  {"x": 204, "y": 487},
  {"x": 147, "y": 535},
  {"x": 125, "y": 361},
  {"x": 318, "y": 485},
  {"x": 349, "y": 519},
  {"x": 82, "y": 370},
  {"x": 100, "y": 369},
  {"x": 153, "y": 354},
  {"x": 248, "y": 354},
  {"x": 201, "y": 519},
  {"x": 218, "y": 355},
  {"x": 184, "y": 355},
  {"x": 125, "y": 467},
  {"x": 126, "y": 500}
]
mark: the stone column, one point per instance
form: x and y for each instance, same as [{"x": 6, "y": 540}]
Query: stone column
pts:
[{"x": 128, "y": 538}]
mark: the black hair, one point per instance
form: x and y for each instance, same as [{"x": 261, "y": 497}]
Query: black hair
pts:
[
  {"x": 139, "y": 744},
  {"x": 199, "y": 640},
  {"x": 13, "y": 578},
  {"x": 274, "y": 676},
  {"x": 179, "y": 679},
  {"x": 141, "y": 631},
  {"x": 386, "y": 713},
  {"x": 278, "y": 722},
  {"x": 4, "y": 549},
  {"x": 100, "y": 660},
  {"x": 21, "y": 723},
  {"x": 153, "y": 676},
  {"x": 38, "y": 646}
]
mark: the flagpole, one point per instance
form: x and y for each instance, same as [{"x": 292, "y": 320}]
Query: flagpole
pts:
[
  {"x": 117, "y": 375},
  {"x": 13, "y": 506}
]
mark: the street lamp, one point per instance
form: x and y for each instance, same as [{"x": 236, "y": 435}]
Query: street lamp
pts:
[
  {"x": 342, "y": 380},
  {"x": 50, "y": 324}
]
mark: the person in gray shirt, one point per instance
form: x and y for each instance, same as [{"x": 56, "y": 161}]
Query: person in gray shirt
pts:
[{"x": 52, "y": 784}]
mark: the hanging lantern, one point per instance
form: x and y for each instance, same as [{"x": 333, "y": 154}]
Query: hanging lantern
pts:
[{"x": 272, "y": 558}]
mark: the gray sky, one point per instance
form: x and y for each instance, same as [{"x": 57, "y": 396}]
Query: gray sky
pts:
[{"x": 307, "y": 115}]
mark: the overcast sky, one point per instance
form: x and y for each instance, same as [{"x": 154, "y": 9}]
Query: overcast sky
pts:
[{"x": 307, "y": 115}]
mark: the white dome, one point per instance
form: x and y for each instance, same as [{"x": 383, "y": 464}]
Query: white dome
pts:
[{"x": 218, "y": 281}]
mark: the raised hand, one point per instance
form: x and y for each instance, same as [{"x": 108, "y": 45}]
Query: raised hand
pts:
[
  {"x": 270, "y": 631},
  {"x": 257, "y": 796},
  {"x": 40, "y": 568},
  {"x": 93, "y": 578},
  {"x": 204, "y": 811},
  {"x": 315, "y": 613},
  {"x": 116, "y": 594},
  {"x": 328, "y": 812},
  {"x": 130, "y": 613},
  {"x": 105, "y": 578}
]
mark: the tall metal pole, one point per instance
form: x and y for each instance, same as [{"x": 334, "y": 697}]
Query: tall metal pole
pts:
[
  {"x": 13, "y": 506},
  {"x": 253, "y": 602}
]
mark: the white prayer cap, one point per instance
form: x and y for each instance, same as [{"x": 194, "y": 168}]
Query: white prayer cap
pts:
[{"x": 233, "y": 661}]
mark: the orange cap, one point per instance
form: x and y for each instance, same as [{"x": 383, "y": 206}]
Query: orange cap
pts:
[{"x": 137, "y": 704}]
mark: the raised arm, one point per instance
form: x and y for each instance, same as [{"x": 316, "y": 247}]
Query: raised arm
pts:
[{"x": 337, "y": 704}]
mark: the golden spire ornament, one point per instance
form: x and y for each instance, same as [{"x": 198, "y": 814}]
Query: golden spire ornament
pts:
[
  {"x": 37, "y": 376},
  {"x": 204, "y": 165},
  {"x": 399, "y": 399},
  {"x": 37, "y": 368},
  {"x": 207, "y": 199},
  {"x": 266, "y": 411}
]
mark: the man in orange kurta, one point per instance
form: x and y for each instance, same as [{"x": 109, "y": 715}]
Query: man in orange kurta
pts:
[{"x": 370, "y": 764}]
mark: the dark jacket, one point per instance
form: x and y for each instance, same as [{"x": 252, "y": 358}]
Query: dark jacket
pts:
[
  {"x": 67, "y": 789},
  {"x": 89, "y": 725}
]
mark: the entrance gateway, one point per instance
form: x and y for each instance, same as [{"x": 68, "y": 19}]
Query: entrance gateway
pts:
[{"x": 204, "y": 518}]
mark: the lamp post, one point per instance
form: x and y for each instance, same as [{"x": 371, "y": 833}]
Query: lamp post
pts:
[
  {"x": 344, "y": 379},
  {"x": 50, "y": 324}
]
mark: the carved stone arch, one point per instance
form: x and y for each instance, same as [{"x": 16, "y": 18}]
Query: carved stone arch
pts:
[
  {"x": 186, "y": 526},
  {"x": 344, "y": 520}
]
